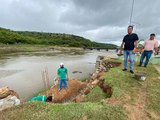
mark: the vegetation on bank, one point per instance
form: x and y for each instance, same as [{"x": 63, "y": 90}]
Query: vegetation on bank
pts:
[
  {"x": 19, "y": 48},
  {"x": 130, "y": 98},
  {"x": 72, "y": 111},
  {"x": 40, "y": 38}
]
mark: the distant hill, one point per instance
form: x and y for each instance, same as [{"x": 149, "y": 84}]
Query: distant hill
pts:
[{"x": 25, "y": 37}]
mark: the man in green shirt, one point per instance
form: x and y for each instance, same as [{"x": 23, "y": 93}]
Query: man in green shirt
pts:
[
  {"x": 41, "y": 98},
  {"x": 62, "y": 76}
]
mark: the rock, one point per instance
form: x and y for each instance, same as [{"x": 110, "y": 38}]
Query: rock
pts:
[
  {"x": 13, "y": 93},
  {"x": 94, "y": 76},
  {"x": 140, "y": 76},
  {"x": 79, "y": 98},
  {"x": 4, "y": 92},
  {"x": 95, "y": 82},
  {"x": 76, "y": 72},
  {"x": 8, "y": 102},
  {"x": 87, "y": 91}
]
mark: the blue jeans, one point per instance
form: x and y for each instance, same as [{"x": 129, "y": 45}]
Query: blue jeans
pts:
[
  {"x": 131, "y": 58},
  {"x": 146, "y": 54},
  {"x": 63, "y": 81}
]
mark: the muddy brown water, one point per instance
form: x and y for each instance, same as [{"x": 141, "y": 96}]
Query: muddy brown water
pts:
[{"x": 22, "y": 72}]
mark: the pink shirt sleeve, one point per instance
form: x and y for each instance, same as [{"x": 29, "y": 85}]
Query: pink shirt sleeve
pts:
[
  {"x": 156, "y": 44},
  {"x": 144, "y": 43}
]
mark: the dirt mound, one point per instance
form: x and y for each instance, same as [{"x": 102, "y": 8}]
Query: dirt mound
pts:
[{"x": 74, "y": 88}]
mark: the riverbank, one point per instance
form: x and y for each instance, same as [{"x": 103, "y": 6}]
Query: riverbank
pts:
[
  {"x": 131, "y": 99},
  {"x": 36, "y": 49},
  {"x": 25, "y": 69}
]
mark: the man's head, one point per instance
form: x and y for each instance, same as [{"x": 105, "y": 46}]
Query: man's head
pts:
[
  {"x": 49, "y": 99},
  {"x": 130, "y": 29},
  {"x": 61, "y": 65},
  {"x": 152, "y": 36}
]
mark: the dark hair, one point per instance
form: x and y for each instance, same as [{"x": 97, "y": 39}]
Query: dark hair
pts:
[
  {"x": 49, "y": 98},
  {"x": 152, "y": 34},
  {"x": 130, "y": 26}
]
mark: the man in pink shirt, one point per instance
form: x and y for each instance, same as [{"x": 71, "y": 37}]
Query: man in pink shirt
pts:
[{"x": 150, "y": 46}]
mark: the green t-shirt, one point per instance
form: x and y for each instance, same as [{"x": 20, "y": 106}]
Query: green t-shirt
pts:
[
  {"x": 62, "y": 72},
  {"x": 38, "y": 98}
]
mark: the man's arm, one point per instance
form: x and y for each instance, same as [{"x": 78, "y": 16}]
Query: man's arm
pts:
[
  {"x": 67, "y": 74},
  {"x": 135, "y": 46},
  {"x": 121, "y": 48},
  {"x": 156, "y": 51},
  {"x": 135, "y": 42},
  {"x": 156, "y": 48},
  {"x": 58, "y": 77}
]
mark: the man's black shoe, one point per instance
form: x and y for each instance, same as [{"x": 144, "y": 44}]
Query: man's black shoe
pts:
[
  {"x": 131, "y": 71},
  {"x": 124, "y": 69},
  {"x": 139, "y": 65}
]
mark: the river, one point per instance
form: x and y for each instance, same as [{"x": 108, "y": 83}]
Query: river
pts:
[{"x": 22, "y": 72}]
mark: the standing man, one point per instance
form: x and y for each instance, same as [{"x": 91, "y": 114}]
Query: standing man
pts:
[
  {"x": 62, "y": 76},
  {"x": 129, "y": 42},
  {"x": 149, "y": 46}
]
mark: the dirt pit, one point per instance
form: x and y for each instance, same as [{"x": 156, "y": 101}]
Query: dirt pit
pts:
[{"x": 74, "y": 88}]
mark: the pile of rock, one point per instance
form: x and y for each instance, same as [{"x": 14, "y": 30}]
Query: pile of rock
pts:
[
  {"x": 8, "y": 98},
  {"x": 103, "y": 64}
]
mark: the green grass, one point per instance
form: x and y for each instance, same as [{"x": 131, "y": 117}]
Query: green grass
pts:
[
  {"x": 73, "y": 111},
  {"x": 96, "y": 95},
  {"x": 153, "y": 91},
  {"x": 122, "y": 83}
]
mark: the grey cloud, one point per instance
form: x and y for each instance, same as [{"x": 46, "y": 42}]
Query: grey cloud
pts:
[{"x": 99, "y": 20}]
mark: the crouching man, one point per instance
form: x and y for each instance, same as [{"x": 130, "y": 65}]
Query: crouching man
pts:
[{"x": 42, "y": 98}]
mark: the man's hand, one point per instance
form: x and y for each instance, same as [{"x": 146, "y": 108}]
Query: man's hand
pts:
[
  {"x": 155, "y": 53},
  {"x": 57, "y": 78},
  {"x": 67, "y": 78},
  {"x": 134, "y": 50},
  {"x": 121, "y": 47}
]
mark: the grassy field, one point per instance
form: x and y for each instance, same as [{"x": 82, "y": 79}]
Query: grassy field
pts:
[
  {"x": 140, "y": 99},
  {"x": 131, "y": 99},
  {"x": 23, "y": 48},
  {"x": 72, "y": 111}
]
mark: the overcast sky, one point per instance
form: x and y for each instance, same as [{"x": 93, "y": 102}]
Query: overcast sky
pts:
[{"x": 99, "y": 20}]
